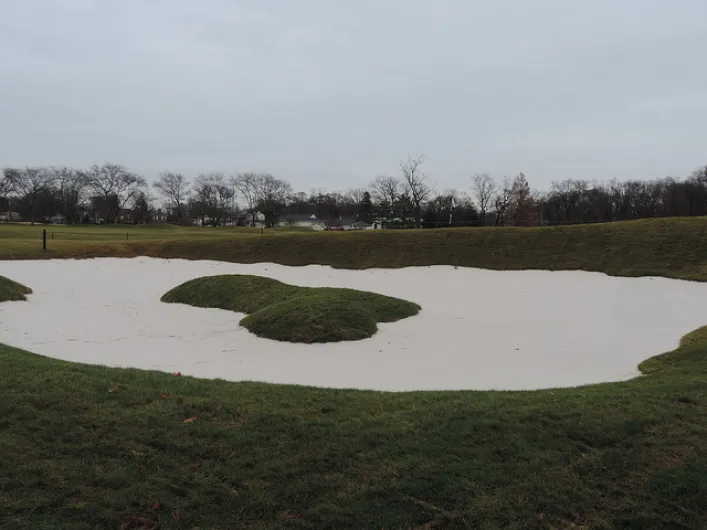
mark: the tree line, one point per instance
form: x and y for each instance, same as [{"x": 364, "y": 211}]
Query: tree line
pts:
[{"x": 112, "y": 193}]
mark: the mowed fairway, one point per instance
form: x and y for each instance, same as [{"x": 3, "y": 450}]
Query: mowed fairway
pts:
[
  {"x": 94, "y": 447},
  {"x": 670, "y": 247},
  {"x": 25, "y": 241}
]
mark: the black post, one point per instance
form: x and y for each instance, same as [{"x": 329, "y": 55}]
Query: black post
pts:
[
  {"x": 44, "y": 239},
  {"x": 126, "y": 236}
]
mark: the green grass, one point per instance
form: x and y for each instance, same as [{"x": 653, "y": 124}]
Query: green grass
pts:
[
  {"x": 671, "y": 247},
  {"x": 291, "y": 313},
  {"x": 10, "y": 290},
  {"x": 92, "y": 447},
  {"x": 18, "y": 241}
]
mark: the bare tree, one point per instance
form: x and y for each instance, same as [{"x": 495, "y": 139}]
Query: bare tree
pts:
[
  {"x": 7, "y": 188},
  {"x": 483, "y": 188},
  {"x": 449, "y": 200},
  {"x": 247, "y": 185},
  {"x": 355, "y": 195},
  {"x": 212, "y": 198},
  {"x": 116, "y": 185},
  {"x": 569, "y": 194},
  {"x": 202, "y": 199},
  {"x": 29, "y": 184},
  {"x": 141, "y": 208},
  {"x": 386, "y": 191},
  {"x": 327, "y": 206},
  {"x": 224, "y": 197},
  {"x": 357, "y": 201},
  {"x": 71, "y": 190},
  {"x": 6, "y": 182},
  {"x": 272, "y": 196},
  {"x": 415, "y": 183},
  {"x": 522, "y": 202},
  {"x": 174, "y": 187},
  {"x": 502, "y": 201}
]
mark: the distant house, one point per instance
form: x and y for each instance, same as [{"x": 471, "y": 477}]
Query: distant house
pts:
[
  {"x": 126, "y": 216},
  {"x": 10, "y": 217},
  {"x": 58, "y": 219},
  {"x": 395, "y": 222},
  {"x": 158, "y": 216},
  {"x": 301, "y": 220},
  {"x": 258, "y": 216},
  {"x": 346, "y": 222},
  {"x": 234, "y": 218},
  {"x": 361, "y": 225},
  {"x": 89, "y": 217}
]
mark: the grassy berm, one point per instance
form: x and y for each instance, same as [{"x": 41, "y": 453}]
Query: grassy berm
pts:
[
  {"x": 291, "y": 313},
  {"x": 10, "y": 291},
  {"x": 673, "y": 247}
]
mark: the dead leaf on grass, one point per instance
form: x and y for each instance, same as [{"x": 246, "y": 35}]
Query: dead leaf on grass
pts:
[{"x": 190, "y": 420}]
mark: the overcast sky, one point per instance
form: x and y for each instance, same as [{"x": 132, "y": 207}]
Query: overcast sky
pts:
[{"x": 331, "y": 93}]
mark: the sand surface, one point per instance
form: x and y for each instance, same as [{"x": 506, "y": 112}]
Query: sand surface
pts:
[{"x": 478, "y": 329}]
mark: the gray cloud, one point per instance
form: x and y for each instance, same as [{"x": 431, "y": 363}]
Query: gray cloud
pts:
[{"x": 332, "y": 93}]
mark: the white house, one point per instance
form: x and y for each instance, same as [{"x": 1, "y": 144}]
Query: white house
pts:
[
  {"x": 361, "y": 225},
  {"x": 301, "y": 220},
  {"x": 259, "y": 219},
  {"x": 10, "y": 217}
]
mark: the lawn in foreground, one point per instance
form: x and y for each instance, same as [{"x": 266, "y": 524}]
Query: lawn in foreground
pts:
[
  {"x": 94, "y": 447},
  {"x": 292, "y": 313}
]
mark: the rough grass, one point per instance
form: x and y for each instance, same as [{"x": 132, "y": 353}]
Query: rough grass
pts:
[
  {"x": 88, "y": 447},
  {"x": 671, "y": 247},
  {"x": 294, "y": 314},
  {"x": 10, "y": 290}
]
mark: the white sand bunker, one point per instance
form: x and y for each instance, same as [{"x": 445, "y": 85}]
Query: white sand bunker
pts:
[{"x": 478, "y": 329}]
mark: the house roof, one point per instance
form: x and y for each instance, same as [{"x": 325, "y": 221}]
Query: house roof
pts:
[
  {"x": 347, "y": 219},
  {"x": 259, "y": 216},
  {"x": 300, "y": 217}
]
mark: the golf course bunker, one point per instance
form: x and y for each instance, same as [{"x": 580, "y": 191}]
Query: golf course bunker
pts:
[{"x": 478, "y": 329}]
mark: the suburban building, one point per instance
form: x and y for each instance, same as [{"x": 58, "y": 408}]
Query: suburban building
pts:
[
  {"x": 158, "y": 216},
  {"x": 10, "y": 217},
  {"x": 301, "y": 220},
  {"x": 361, "y": 225},
  {"x": 247, "y": 219}
]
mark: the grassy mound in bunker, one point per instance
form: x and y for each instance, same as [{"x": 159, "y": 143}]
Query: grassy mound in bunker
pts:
[
  {"x": 289, "y": 313},
  {"x": 10, "y": 290}
]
